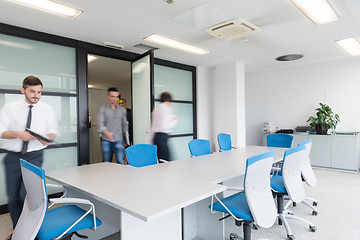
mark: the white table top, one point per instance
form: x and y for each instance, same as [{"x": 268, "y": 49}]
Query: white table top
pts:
[
  {"x": 154, "y": 191},
  {"x": 218, "y": 166},
  {"x": 143, "y": 194}
]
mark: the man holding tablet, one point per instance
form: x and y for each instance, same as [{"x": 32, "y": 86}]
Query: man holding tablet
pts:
[{"x": 15, "y": 118}]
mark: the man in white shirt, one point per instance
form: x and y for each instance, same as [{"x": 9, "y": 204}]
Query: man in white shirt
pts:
[
  {"x": 162, "y": 123},
  {"x": 15, "y": 118}
]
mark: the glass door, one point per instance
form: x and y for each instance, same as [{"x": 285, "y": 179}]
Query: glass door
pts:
[{"x": 142, "y": 82}]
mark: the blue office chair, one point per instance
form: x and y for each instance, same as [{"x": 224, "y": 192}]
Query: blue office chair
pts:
[
  {"x": 140, "y": 155},
  {"x": 279, "y": 140},
  {"x": 308, "y": 176},
  {"x": 61, "y": 222},
  {"x": 224, "y": 141},
  {"x": 255, "y": 205},
  {"x": 199, "y": 147},
  {"x": 290, "y": 184}
]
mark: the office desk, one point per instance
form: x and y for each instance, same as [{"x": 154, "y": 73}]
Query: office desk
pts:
[{"x": 147, "y": 201}]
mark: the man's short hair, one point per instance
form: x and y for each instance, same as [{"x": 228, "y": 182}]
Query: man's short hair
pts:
[
  {"x": 31, "y": 81},
  {"x": 165, "y": 97},
  {"x": 112, "y": 89}
]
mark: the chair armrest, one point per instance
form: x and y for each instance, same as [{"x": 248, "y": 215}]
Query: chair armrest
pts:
[
  {"x": 55, "y": 186},
  {"x": 70, "y": 200},
  {"x": 163, "y": 161},
  {"x": 239, "y": 189}
]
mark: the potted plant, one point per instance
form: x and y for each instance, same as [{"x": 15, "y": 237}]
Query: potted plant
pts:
[{"x": 325, "y": 119}]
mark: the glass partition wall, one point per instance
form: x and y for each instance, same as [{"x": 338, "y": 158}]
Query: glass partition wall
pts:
[
  {"x": 55, "y": 65},
  {"x": 179, "y": 81}
]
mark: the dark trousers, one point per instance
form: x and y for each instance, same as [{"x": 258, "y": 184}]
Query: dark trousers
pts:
[
  {"x": 160, "y": 140},
  {"x": 14, "y": 184}
]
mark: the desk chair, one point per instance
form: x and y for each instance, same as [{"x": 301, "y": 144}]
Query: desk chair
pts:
[
  {"x": 61, "y": 222},
  {"x": 199, "y": 147},
  {"x": 279, "y": 140},
  {"x": 308, "y": 176},
  {"x": 255, "y": 204},
  {"x": 224, "y": 141},
  {"x": 290, "y": 184},
  {"x": 140, "y": 155}
]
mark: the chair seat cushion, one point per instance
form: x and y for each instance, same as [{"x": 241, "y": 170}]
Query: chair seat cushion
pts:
[
  {"x": 59, "y": 219},
  {"x": 237, "y": 204},
  {"x": 277, "y": 183}
]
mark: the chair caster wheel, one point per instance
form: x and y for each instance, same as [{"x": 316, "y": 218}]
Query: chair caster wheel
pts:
[
  {"x": 315, "y": 204},
  {"x": 294, "y": 204},
  {"x": 234, "y": 236},
  {"x": 315, "y": 213},
  {"x": 255, "y": 227},
  {"x": 291, "y": 237},
  {"x": 312, "y": 228}
]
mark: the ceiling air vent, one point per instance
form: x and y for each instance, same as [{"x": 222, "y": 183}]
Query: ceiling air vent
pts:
[{"x": 233, "y": 29}]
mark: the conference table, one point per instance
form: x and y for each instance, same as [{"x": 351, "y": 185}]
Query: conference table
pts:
[{"x": 163, "y": 201}]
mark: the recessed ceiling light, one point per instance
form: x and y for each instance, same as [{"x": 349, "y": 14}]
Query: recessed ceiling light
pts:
[
  {"x": 175, "y": 44},
  {"x": 91, "y": 58},
  {"x": 51, "y": 7},
  {"x": 350, "y": 45},
  {"x": 319, "y": 11}
]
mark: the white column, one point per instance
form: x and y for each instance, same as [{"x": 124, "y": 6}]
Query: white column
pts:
[
  {"x": 204, "y": 92},
  {"x": 229, "y": 102}
]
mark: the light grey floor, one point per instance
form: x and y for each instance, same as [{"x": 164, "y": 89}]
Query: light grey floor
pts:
[{"x": 338, "y": 194}]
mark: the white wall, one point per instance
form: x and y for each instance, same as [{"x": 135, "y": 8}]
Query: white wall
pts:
[{"x": 289, "y": 96}]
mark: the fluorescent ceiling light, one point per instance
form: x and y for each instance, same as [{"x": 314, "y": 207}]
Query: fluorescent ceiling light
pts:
[
  {"x": 49, "y": 6},
  {"x": 319, "y": 11},
  {"x": 113, "y": 45},
  {"x": 175, "y": 44},
  {"x": 350, "y": 45},
  {"x": 90, "y": 85},
  {"x": 91, "y": 58}
]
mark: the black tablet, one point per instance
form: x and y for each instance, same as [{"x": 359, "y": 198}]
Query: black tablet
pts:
[{"x": 38, "y": 136}]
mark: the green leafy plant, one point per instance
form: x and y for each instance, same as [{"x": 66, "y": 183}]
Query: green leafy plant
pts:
[{"x": 324, "y": 117}]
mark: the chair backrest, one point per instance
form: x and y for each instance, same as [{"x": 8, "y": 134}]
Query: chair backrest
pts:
[
  {"x": 224, "y": 141},
  {"x": 291, "y": 172},
  {"x": 258, "y": 191},
  {"x": 35, "y": 204},
  {"x": 199, "y": 147},
  {"x": 140, "y": 155},
  {"x": 279, "y": 140},
  {"x": 307, "y": 171}
]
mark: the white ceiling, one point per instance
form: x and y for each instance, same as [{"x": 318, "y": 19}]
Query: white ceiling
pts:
[{"x": 285, "y": 29}]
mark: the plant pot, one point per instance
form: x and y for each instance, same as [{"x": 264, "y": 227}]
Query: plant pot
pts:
[{"x": 321, "y": 129}]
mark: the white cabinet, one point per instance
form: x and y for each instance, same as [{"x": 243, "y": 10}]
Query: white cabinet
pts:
[
  {"x": 345, "y": 152},
  {"x": 334, "y": 151},
  {"x": 331, "y": 151}
]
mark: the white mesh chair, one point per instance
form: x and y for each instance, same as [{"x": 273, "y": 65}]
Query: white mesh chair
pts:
[
  {"x": 36, "y": 221},
  {"x": 255, "y": 204},
  {"x": 290, "y": 184}
]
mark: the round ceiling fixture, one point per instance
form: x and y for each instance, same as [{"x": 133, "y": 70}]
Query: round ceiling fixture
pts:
[{"x": 289, "y": 57}]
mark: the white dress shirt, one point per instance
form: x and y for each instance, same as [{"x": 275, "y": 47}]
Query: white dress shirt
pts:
[
  {"x": 162, "y": 119},
  {"x": 13, "y": 117}
]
